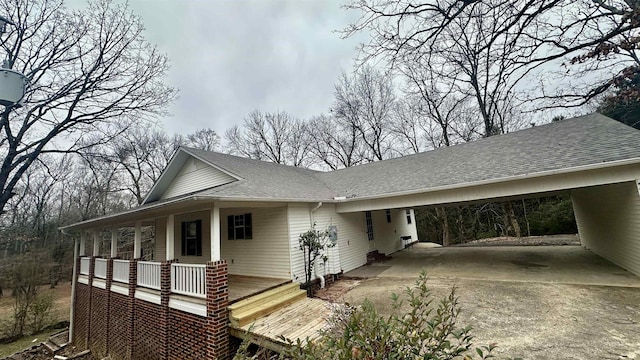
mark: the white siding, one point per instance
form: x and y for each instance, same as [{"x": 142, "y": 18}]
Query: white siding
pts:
[
  {"x": 267, "y": 254},
  {"x": 299, "y": 222},
  {"x": 411, "y": 229},
  {"x": 195, "y": 175},
  {"x": 608, "y": 219},
  {"x": 159, "y": 253},
  {"x": 351, "y": 250},
  {"x": 352, "y": 238},
  {"x": 387, "y": 234}
]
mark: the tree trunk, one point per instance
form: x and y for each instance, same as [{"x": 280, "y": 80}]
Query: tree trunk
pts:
[
  {"x": 462, "y": 236},
  {"x": 441, "y": 212},
  {"x": 513, "y": 221}
]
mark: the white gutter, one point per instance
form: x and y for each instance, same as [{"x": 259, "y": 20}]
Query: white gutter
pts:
[
  {"x": 315, "y": 268},
  {"x": 190, "y": 198},
  {"x": 73, "y": 285}
]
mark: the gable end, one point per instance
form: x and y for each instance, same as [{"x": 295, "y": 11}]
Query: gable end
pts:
[{"x": 195, "y": 175}]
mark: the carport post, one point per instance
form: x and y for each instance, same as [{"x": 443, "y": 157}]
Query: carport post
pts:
[{"x": 215, "y": 233}]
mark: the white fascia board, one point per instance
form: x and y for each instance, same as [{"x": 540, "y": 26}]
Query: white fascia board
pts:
[
  {"x": 549, "y": 182},
  {"x": 129, "y": 212}
]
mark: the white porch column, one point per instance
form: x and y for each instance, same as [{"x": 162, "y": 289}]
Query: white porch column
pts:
[
  {"x": 137, "y": 241},
  {"x": 96, "y": 243},
  {"x": 215, "y": 233},
  {"x": 170, "y": 246},
  {"x": 83, "y": 243},
  {"x": 114, "y": 242}
]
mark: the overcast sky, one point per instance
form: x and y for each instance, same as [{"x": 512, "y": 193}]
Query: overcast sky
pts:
[{"x": 231, "y": 57}]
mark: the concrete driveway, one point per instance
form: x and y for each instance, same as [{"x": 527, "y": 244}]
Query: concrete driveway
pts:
[
  {"x": 535, "y": 302},
  {"x": 548, "y": 264}
]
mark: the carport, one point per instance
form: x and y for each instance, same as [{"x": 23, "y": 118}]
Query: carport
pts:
[
  {"x": 567, "y": 264},
  {"x": 596, "y": 160}
]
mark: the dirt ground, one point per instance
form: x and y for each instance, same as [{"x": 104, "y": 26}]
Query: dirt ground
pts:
[
  {"x": 570, "y": 239},
  {"x": 532, "y": 309},
  {"x": 534, "y": 320}
]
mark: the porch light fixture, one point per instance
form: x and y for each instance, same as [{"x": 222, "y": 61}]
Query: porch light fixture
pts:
[{"x": 12, "y": 83}]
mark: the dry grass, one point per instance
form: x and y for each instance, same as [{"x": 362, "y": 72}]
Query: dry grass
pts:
[
  {"x": 61, "y": 301},
  {"x": 61, "y": 305},
  {"x": 25, "y": 342}
]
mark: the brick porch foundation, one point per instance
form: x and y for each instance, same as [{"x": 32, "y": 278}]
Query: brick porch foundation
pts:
[{"x": 126, "y": 327}]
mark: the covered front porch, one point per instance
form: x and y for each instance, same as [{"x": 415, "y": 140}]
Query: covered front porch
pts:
[
  {"x": 187, "y": 281},
  {"x": 185, "y": 240},
  {"x": 161, "y": 269}
]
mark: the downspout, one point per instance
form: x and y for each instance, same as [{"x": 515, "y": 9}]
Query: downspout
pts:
[
  {"x": 73, "y": 285},
  {"x": 315, "y": 271}
]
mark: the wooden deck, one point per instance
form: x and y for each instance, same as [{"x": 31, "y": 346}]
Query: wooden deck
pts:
[
  {"x": 241, "y": 287},
  {"x": 300, "y": 320}
]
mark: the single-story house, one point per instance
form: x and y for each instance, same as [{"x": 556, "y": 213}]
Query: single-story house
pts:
[{"x": 222, "y": 224}]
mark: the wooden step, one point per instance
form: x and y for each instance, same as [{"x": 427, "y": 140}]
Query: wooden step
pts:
[
  {"x": 265, "y": 296},
  {"x": 51, "y": 347},
  {"x": 243, "y": 316}
]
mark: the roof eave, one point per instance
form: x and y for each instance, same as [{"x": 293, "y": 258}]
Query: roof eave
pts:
[
  {"x": 603, "y": 165},
  {"x": 192, "y": 198}
]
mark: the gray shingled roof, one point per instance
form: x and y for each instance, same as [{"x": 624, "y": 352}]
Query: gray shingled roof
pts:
[
  {"x": 264, "y": 180},
  {"x": 586, "y": 140}
]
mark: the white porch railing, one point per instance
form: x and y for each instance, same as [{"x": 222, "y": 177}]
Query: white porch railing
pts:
[
  {"x": 101, "y": 269},
  {"x": 84, "y": 265},
  {"x": 121, "y": 271},
  {"x": 188, "y": 279},
  {"x": 149, "y": 274}
]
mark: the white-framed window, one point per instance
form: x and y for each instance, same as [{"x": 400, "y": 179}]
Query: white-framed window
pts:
[
  {"x": 408, "y": 212},
  {"x": 388, "y": 213},
  {"x": 192, "y": 238},
  {"x": 239, "y": 227},
  {"x": 369, "y": 221}
]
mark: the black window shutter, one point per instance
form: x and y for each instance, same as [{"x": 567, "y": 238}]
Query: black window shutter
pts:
[
  {"x": 184, "y": 238},
  {"x": 230, "y": 228},
  {"x": 248, "y": 230},
  {"x": 198, "y": 238}
]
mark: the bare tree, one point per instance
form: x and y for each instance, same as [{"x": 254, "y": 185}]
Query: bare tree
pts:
[
  {"x": 139, "y": 155},
  {"x": 205, "y": 139},
  {"x": 407, "y": 129},
  {"x": 89, "y": 71},
  {"x": 275, "y": 137},
  {"x": 536, "y": 37},
  {"x": 336, "y": 144},
  {"x": 365, "y": 102}
]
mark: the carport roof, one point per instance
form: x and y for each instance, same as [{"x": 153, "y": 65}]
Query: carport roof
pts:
[{"x": 593, "y": 139}]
